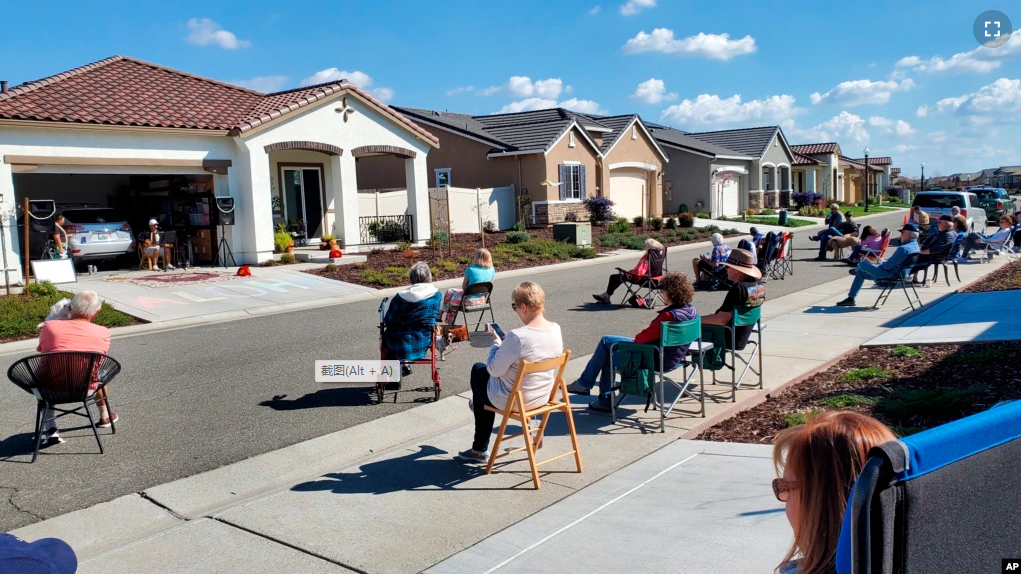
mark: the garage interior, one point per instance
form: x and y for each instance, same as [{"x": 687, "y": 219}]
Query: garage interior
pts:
[{"x": 181, "y": 202}]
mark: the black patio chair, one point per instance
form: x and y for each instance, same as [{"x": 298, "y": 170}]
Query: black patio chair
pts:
[
  {"x": 64, "y": 378},
  {"x": 462, "y": 308},
  {"x": 950, "y": 259},
  {"x": 645, "y": 286},
  {"x": 902, "y": 280}
]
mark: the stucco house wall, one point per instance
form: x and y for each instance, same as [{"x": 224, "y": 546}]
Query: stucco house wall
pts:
[
  {"x": 582, "y": 152},
  {"x": 688, "y": 175},
  {"x": 641, "y": 150}
]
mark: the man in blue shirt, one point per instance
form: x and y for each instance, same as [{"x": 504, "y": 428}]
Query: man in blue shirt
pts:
[{"x": 886, "y": 269}]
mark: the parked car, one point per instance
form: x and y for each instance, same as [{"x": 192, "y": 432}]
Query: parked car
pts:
[
  {"x": 97, "y": 234},
  {"x": 995, "y": 201},
  {"x": 937, "y": 203}
]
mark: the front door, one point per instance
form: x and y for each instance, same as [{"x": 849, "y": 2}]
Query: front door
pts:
[{"x": 303, "y": 201}]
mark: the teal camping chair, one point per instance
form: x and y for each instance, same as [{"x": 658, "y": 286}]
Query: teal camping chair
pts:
[
  {"x": 639, "y": 365},
  {"x": 725, "y": 337}
]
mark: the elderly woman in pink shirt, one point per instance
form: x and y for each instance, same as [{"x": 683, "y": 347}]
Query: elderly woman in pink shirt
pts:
[
  {"x": 77, "y": 334},
  {"x": 871, "y": 238}
]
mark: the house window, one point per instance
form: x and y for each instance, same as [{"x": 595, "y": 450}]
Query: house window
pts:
[
  {"x": 442, "y": 177},
  {"x": 634, "y": 132},
  {"x": 570, "y": 142},
  {"x": 767, "y": 180},
  {"x": 572, "y": 182}
]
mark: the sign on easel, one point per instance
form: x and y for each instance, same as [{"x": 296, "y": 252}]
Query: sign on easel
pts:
[{"x": 55, "y": 271}]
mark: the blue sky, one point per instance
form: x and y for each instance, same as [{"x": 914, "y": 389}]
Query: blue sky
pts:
[{"x": 907, "y": 79}]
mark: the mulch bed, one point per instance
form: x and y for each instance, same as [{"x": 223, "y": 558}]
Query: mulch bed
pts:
[
  {"x": 1005, "y": 278},
  {"x": 463, "y": 245},
  {"x": 952, "y": 367}
]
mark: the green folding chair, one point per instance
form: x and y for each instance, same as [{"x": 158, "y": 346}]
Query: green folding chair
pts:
[
  {"x": 638, "y": 368},
  {"x": 743, "y": 316}
]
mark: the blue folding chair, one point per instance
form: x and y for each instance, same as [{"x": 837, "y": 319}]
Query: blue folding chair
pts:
[{"x": 942, "y": 500}]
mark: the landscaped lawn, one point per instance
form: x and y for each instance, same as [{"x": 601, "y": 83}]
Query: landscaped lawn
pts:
[
  {"x": 858, "y": 211},
  {"x": 772, "y": 220},
  {"x": 20, "y": 315},
  {"x": 910, "y": 389}
]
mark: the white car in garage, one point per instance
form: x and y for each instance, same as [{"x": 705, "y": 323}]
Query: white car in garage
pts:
[{"x": 97, "y": 234}]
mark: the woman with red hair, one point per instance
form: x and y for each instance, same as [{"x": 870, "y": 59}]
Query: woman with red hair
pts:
[{"x": 818, "y": 463}]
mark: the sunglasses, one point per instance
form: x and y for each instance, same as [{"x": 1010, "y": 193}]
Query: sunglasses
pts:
[{"x": 783, "y": 487}]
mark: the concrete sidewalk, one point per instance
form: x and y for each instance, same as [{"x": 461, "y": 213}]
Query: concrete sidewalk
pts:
[
  {"x": 388, "y": 495},
  {"x": 960, "y": 318}
]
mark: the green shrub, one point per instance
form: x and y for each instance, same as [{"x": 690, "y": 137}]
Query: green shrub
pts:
[
  {"x": 671, "y": 222},
  {"x": 517, "y": 237},
  {"x": 489, "y": 226},
  {"x": 656, "y": 223},
  {"x": 704, "y": 215},
  {"x": 44, "y": 289},
  {"x": 905, "y": 351},
  {"x": 446, "y": 265},
  {"x": 638, "y": 221},
  {"x": 812, "y": 211},
  {"x": 767, "y": 212},
  {"x": 374, "y": 277},
  {"x": 626, "y": 240},
  {"x": 710, "y": 229},
  {"x": 863, "y": 374},
  {"x": 686, "y": 236},
  {"x": 440, "y": 239},
  {"x": 464, "y": 260},
  {"x": 282, "y": 240},
  {"x": 109, "y": 317},
  {"x": 270, "y": 263},
  {"x": 619, "y": 225},
  {"x": 970, "y": 358},
  {"x": 936, "y": 403},
  {"x": 795, "y": 418},
  {"x": 402, "y": 246},
  {"x": 331, "y": 268},
  {"x": 520, "y": 226},
  {"x": 288, "y": 259},
  {"x": 686, "y": 220},
  {"x": 388, "y": 231},
  {"x": 844, "y": 401}
]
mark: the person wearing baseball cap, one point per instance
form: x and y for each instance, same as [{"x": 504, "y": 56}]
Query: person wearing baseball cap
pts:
[
  {"x": 886, "y": 269},
  {"x": 44, "y": 556},
  {"x": 935, "y": 247},
  {"x": 151, "y": 245},
  {"x": 746, "y": 289},
  {"x": 845, "y": 227}
]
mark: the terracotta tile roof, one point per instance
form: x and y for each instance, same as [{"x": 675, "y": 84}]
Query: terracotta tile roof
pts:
[
  {"x": 128, "y": 92},
  {"x": 881, "y": 160},
  {"x": 801, "y": 159},
  {"x": 816, "y": 148}
]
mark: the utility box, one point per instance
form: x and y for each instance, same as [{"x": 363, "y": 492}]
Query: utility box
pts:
[{"x": 577, "y": 233}]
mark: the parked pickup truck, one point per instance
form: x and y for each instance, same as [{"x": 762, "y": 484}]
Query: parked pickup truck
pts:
[{"x": 995, "y": 201}]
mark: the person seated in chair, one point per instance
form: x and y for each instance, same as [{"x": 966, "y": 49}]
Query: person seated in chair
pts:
[
  {"x": 709, "y": 268},
  {"x": 847, "y": 227},
  {"x": 871, "y": 239},
  {"x": 757, "y": 237},
  {"x": 936, "y": 247},
  {"x": 479, "y": 270},
  {"x": 996, "y": 238},
  {"x": 677, "y": 292},
  {"x": 78, "y": 333},
  {"x": 919, "y": 218},
  {"x": 150, "y": 242},
  {"x": 538, "y": 339},
  {"x": 884, "y": 269},
  {"x": 409, "y": 318},
  {"x": 832, "y": 221},
  {"x": 639, "y": 270},
  {"x": 747, "y": 289}
]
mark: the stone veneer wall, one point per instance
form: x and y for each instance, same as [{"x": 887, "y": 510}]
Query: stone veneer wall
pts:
[
  {"x": 550, "y": 213},
  {"x": 755, "y": 199},
  {"x": 772, "y": 199}
]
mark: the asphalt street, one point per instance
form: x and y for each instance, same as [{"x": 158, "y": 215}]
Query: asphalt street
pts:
[{"x": 195, "y": 399}]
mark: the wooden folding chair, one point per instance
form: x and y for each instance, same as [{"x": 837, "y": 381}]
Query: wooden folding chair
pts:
[{"x": 516, "y": 410}]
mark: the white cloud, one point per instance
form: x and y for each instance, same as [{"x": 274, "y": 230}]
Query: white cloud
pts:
[
  {"x": 530, "y": 104},
  {"x": 358, "y": 78},
  {"x": 710, "y": 110},
  {"x": 632, "y": 7},
  {"x": 938, "y": 137},
  {"x": 922, "y": 111},
  {"x": 979, "y": 60},
  {"x": 904, "y": 147},
  {"x": 841, "y": 127},
  {"x": 652, "y": 91},
  {"x": 595, "y": 10},
  {"x": 998, "y": 101},
  {"x": 203, "y": 32},
  {"x": 460, "y": 90},
  {"x": 523, "y": 87},
  {"x": 858, "y": 92},
  {"x": 265, "y": 84},
  {"x": 713, "y": 46},
  {"x": 888, "y": 126}
]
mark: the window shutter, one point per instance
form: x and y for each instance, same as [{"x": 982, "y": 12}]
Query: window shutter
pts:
[
  {"x": 581, "y": 182},
  {"x": 564, "y": 177}
]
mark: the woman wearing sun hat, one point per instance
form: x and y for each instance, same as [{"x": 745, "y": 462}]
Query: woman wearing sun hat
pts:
[{"x": 747, "y": 290}]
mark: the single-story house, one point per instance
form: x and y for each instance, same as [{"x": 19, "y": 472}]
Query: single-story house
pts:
[
  {"x": 581, "y": 155},
  {"x": 725, "y": 172},
  {"x": 880, "y": 169},
  {"x": 152, "y": 141},
  {"x": 818, "y": 169}
]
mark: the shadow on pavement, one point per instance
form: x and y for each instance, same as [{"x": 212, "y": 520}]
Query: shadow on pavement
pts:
[
  {"x": 596, "y": 307},
  {"x": 329, "y": 397}
]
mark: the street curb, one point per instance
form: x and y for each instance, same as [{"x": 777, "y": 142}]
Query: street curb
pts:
[{"x": 761, "y": 396}]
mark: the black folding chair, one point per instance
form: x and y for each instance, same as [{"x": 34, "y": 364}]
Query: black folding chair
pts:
[
  {"x": 463, "y": 308},
  {"x": 902, "y": 280},
  {"x": 950, "y": 259},
  {"x": 63, "y": 378},
  {"x": 645, "y": 286},
  {"x": 942, "y": 500}
]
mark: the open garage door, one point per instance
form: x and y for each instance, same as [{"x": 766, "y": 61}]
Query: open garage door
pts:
[{"x": 629, "y": 191}]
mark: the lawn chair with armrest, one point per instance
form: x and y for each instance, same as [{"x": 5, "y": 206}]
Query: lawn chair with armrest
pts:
[
  {"x": 428, "y": 360},
  {"x": 64, "y": 378},
  {"x": 770, "y": 250},
  {"x": 640, "y": 363},
  {"x": 516, "y": 410},
  {"x": 942, "y": 500},
  {"x": 743, "y": 358},
  {"x": 645, "y": 286},
  {"x": 874, "y": 255},
  {"x": 902, "y": 280},
  {"x": 1004, "y": 248}
]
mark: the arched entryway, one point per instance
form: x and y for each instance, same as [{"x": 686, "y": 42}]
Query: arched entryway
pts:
[{"x": 299, "y": 176}]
